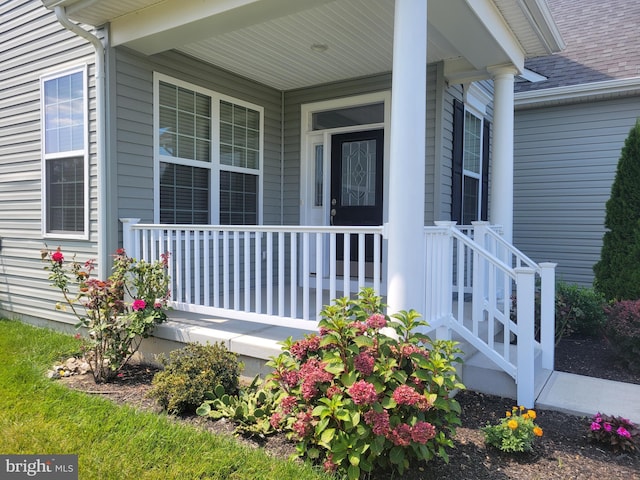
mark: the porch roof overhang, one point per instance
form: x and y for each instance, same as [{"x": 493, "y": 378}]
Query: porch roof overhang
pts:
[{"x": 294, "y": 44}]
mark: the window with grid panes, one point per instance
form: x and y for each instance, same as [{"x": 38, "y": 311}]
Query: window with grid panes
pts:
[
  {"x": 187, "y": 131},
  {"x": 64, "y": 129}
]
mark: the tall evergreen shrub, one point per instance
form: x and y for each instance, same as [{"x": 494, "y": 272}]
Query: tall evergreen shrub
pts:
[{"x": 617, "y": 274}]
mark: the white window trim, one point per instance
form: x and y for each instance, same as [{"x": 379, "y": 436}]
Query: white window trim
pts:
[
  {"x": 214, "y": 165},
  {"x": 84, "y": 154}
]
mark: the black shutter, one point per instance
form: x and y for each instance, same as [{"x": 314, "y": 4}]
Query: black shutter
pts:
[
  {"x": 486, "y": 141},
  {"x": 456, "y": 167}
]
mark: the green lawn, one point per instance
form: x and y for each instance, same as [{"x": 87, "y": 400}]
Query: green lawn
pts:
[{"x": 39, "y": 416}]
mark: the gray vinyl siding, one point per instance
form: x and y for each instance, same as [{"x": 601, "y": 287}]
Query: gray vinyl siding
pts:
[
  {"x": 33, "y": 43},
  {"x": 565, "y": 162},
  {"x": 134, "y": 121}
]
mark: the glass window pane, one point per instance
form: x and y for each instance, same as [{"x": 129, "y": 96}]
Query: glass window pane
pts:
[
  {"x": 238, "y": 198},
  {"x": 203, "y": 150},
  {"x": 168, "y": 120},
  {"x": 226, "y": 112},
  {"x": 348, "y": 116},
  {"x": 253, "y": 139},
  {"x": 203, "y": 105},
  {"x": 226, "y": 133},
  {"x": 319, "y": 175},
  {"x": 186, "y": 100},
  {"x": 187, "y": 114},
  {"x": 186, "y": 147},
  {"x": 239, "y": 115},
  {"x": 64, "y": 122},
  {"x": 203, "y": 127},
  {"x": 358, "y": 163},
  {"x": 253, "y": 119},
  {"x": 186, "y": 124},
  {"x": 472, "y": 147},
  {"x": 470, "y": 200},
  {"x": 184, "y": 194},
  {"x": 65, "y": 195},
  {"x": 168, "y": 95}
]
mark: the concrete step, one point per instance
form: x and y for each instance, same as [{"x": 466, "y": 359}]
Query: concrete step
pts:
[{"x": 481, "y": 374}]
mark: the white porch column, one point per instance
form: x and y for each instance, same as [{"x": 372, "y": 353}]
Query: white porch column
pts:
[
  {"x": 405, "y": 228},
  {"x": 501, "y": 197}
]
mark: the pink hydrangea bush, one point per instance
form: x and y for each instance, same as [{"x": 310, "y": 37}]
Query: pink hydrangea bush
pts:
[
  {"x": 117, "y": 312},
  {"x": 357, "y": 399}
]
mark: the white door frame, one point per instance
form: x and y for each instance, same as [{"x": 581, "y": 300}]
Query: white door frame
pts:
[
  {"x": 310, "y": 214},
  {"x": 309, "y": 139}
]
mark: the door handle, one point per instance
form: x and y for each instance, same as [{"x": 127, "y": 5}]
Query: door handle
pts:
[{"x": 332, "y": 214}]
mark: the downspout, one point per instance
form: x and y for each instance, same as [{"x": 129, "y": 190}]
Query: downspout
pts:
[{"x": 61, "y": 14}]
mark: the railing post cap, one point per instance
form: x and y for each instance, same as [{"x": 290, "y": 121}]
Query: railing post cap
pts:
[
  {"x": 548, "y": 265},
  {"x": 524, "y": 271},
  {"x": 480, "y": 223},
  {"x": 130, "y": 220},
  {"x": 444, "y": 223}
]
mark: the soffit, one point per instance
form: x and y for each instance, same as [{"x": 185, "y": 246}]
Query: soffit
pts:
[{"x": 274, "y": 46}]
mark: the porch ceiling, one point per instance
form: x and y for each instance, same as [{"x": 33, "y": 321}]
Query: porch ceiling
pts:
[{"x": 282, "y": 43}]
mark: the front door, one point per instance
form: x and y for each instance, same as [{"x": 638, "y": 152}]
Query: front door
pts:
[{"x": 356, "y": 184}]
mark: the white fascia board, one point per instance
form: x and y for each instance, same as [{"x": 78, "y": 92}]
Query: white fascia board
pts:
[
  {"x": 168, "y": 25},
  {"x": 539, "y": 16},
  {"x": 571, "y": 92},
  {"x": 489, "y": 15}
]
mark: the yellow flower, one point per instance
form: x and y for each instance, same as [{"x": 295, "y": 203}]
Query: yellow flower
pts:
[
  {"x": 522, "y": 408},
  {"x": 525, "y": 416},
  {"x": 508, "y": 414},
  {"x": 531, "y": 414},
  {"x": 512, "y": 424},
  {"x": 537, "y": 431}
]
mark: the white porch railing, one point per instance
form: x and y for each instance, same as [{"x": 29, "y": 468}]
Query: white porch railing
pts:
[
  {"x": 279, "y": 275},
  {"x": 284, "y": 275},
  {"x": 477, "y": 283}
]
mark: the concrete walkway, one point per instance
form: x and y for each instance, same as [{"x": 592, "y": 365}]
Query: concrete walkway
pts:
[{"x": 580, "y": 395}]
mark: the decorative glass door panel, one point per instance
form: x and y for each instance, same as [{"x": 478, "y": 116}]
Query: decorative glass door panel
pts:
[{"x": 356, "y": 183}]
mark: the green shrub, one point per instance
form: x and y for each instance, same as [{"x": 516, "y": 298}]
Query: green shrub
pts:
[
  {"x": 357, "y": 399},
  {"x": 617, "y": 274},
  {"x": 623, "y": 331},
  {"x": 579, "y": 309},
  {"x": 191, "y": 373}
]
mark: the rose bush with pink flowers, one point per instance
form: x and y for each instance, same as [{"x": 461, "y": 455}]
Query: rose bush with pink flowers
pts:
[
  {"x": 357, "y": 399},
  {"x": 117, "y": 312}
]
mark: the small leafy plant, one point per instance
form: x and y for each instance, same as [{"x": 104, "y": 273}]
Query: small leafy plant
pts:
[
  {"x": 251, "y": 408},
  {"x": 515, "y": 432},
  {"x": 118, "y": 312},
  {"x": 193, "y": 371},
  {"x": 623, "y": 331},
  {"x": 619, "y": 434},
  {"x": 368, "y": 392}
]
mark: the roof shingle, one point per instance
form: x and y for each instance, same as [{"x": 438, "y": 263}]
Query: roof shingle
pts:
[{"x": 602, "y": 43}]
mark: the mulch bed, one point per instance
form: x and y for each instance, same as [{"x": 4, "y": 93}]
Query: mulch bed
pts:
[{"x": 564, "y": 452}]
